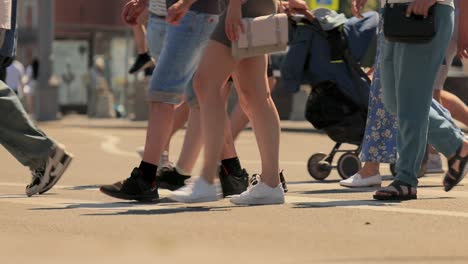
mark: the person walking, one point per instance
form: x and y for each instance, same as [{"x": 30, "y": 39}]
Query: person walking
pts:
[
  {"x": 415, "y": 67},
  {"x": 48, "y": 160},
  {"x": 251, "y": 73}
]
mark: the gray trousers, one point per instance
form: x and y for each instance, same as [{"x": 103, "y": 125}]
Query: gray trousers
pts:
[{"x": 19, "y": 135}]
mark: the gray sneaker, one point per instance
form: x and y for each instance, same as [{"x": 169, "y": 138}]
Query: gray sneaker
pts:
[{"x": 45, "y": 178}]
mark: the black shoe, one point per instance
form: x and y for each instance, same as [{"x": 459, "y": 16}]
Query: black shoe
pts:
[
  {"x": 133, "y": 188},
  {"x": 283, "y": 182},
  {"x": 233, "y": 184},
  {"x": 254, "y": 180},
  {"x": 143, "y": 61},
  {"x": 170, "y": 179}
]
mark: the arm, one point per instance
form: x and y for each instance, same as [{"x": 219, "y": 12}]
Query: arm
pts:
[
  {"x": 177, "y": 11},
  {"x": 463, "y": 29},
  {"x": 234, "y": 20}
]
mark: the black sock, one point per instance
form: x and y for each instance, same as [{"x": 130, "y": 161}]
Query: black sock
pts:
[
  {"x": 149, "y": 171},
  {"x": 232, "y": 166}
]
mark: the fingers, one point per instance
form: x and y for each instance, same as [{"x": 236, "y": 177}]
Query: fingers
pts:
[
  {"x": 419, "y": 7},
  {"x": 232, "y": 30},
  {"x": 463, "y": 53}
]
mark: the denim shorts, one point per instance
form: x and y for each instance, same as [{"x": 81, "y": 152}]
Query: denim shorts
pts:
[
  {"x": 181, "y": 52},
  {"x": 155, "y": 35}
]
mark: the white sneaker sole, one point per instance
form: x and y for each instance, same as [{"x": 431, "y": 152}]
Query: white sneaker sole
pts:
[
  {"x": 258, "y": 201},
  {"x": 187, "y": 199}
]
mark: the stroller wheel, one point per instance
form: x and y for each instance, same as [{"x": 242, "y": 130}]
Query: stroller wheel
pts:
[
  {"x": 348, "y": 165},
  {"x": 317, "y": 167},
  {"x": 393, "y": 169}
]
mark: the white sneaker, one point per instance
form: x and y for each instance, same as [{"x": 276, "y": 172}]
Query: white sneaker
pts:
[
  {"x": 434, "y": 164},
  {"x": 45, "y": 178},
  {"x": 199, "y": 191},
  {"x": 260, "y": 194},
  {"x": 358, "y": 181}
]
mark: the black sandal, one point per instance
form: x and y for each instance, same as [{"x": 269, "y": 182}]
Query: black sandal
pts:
[
  {"x": 453, "y": 177},
  {"x": 396, "y": 191}
]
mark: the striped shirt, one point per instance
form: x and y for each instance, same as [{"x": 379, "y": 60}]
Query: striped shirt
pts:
[{"x": 158, "y": 7}]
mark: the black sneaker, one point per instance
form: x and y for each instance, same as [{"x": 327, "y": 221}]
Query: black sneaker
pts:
[
  {"x": 170, "y": 179},
  {"x": 133, "y": 188},
  {"x": 233, "y": 184},
  {"x": 254, "y": 180},
  {"x": 142, "y": 62}
]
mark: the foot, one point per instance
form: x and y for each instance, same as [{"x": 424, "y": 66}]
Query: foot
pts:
[
  {"x": 457, "y": 168},
  {"x": 171, "y": 179},
  {"x": 260, "y": 194},
  {"x": 357, "y": 181},
  {"x": 45, "y": 178},
  {"x": 134, "y": 188},
  {"x": 233, "y": 184},
  {"x": 396, "y": 191},
  {"x": 142, "y": 62},
  {"x": 200, "y": 191},
  {"x": 434, "y": 164},
  {"x": 256, "y": 178}
]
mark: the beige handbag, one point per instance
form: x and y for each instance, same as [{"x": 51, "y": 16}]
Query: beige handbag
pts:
[{"x": 263, "y": 35}]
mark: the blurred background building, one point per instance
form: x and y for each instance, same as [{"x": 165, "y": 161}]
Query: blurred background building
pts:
[{"x": 84, "y": 29}]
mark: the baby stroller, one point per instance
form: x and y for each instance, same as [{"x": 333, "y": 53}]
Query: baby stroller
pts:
[{"x": 338, "y": 102}]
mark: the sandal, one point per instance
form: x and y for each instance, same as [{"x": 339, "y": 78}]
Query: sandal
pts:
[
  {"x": 396, "y": 191},
  {"x": 453, "y": 177}
]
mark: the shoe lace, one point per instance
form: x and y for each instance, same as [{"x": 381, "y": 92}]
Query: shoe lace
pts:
[
  {"x": 36, "y": 174},
  {"x": 255, "y": 179}
]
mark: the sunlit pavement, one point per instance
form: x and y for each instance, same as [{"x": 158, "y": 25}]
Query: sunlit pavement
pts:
[{"x": 321, "y": 221}]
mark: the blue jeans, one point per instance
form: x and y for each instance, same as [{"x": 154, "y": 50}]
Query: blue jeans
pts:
[
  {"x": 408, "y": 74},
  {"x": 19, "y": 135},
  {"x": 181, "y": 52},
  {"x": 155, "y": 35}
]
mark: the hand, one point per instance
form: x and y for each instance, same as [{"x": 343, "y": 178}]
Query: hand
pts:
[
  {"x": 297, "y": 6},
  {"x": 357, "y": 6},
  {"x": 463, "y": 52},
  {"x": 420, "y": 7},
  {"x": 234, "y": 20},
  {"x": 178, "y": 10},
  {"x": 132, "y": 10}
]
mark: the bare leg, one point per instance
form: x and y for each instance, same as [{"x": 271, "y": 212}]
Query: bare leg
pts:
[
  {"x": 253, "y": 84},
  {"x": 139, "y": 34},
  {"x": 214, "y": 68},
  {"x": 192, "y": 142},
  {"x": 239, "y": 119},
  {"x": 181, "y": 115},
  {"x": 161, "y": 120},
  {"x": 370, "y": 169},
  {"x": 456, "y": 107}
]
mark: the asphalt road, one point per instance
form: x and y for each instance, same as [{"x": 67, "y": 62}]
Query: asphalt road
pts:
[{"x": 320, "y": 223}]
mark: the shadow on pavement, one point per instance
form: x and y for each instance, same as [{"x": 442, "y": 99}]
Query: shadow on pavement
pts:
[
  {"x": 83, "y": 187},
  {"x": 344, "y": 203},
  {"x": 163, "y": 211},
  {"x": 337, "y": 191}
]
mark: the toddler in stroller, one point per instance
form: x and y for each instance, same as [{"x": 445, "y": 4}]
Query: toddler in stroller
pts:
[{"x": 325, "y": 52}]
